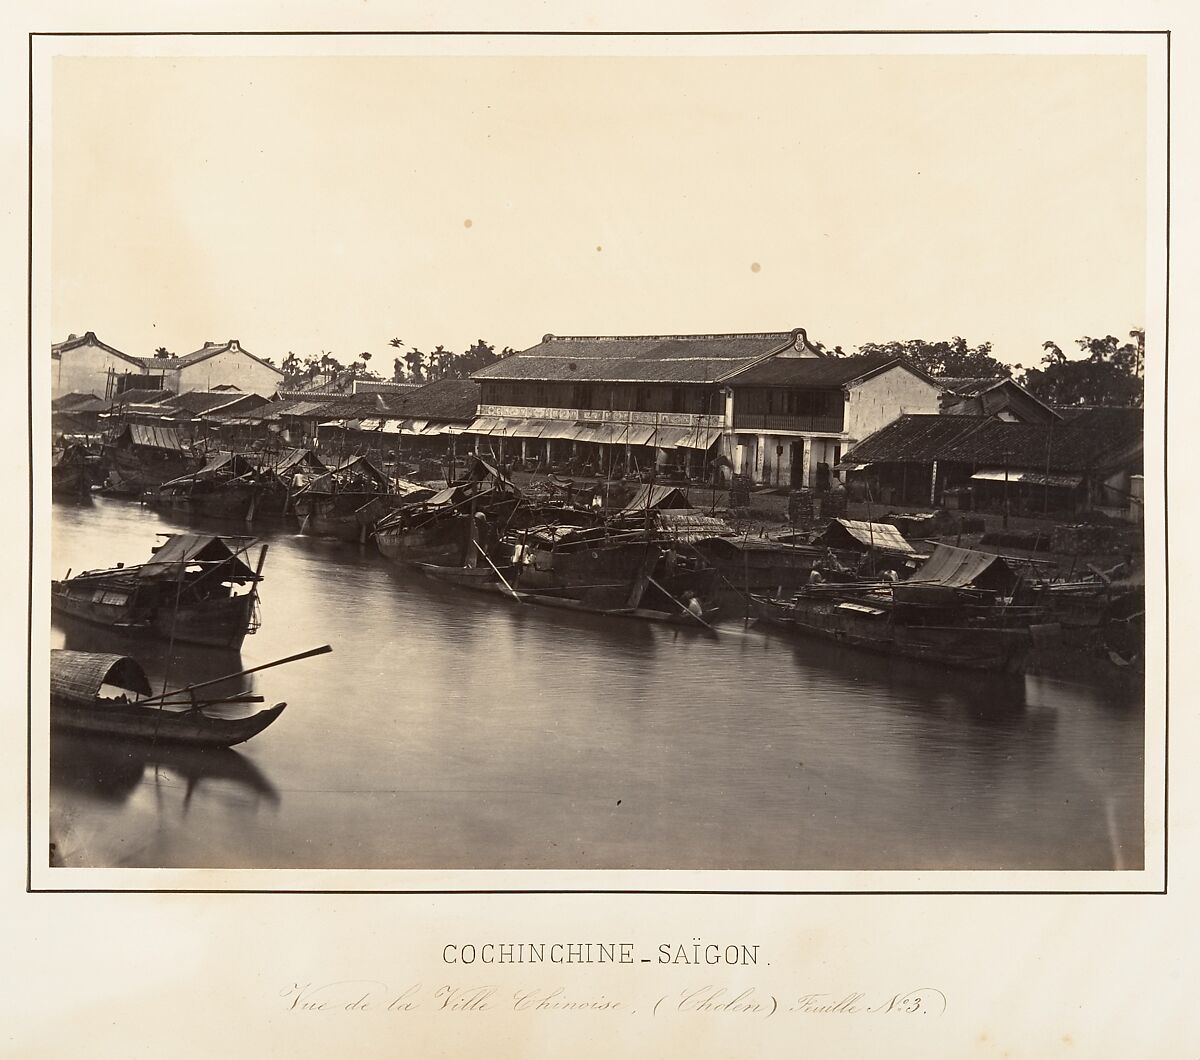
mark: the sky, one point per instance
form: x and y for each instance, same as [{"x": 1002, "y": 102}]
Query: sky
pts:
[{"x": 332, "y": 203}]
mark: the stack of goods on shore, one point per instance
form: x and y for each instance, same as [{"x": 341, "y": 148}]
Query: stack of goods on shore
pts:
[{"x": 739, "y": 493}]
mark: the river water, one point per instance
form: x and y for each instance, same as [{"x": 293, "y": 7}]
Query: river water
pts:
[{"x": 451, "y": 729}]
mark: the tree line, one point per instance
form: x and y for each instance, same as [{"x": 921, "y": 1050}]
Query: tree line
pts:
[
  {"x": 1108, "y": 373},
  {"x": 411, "y": 366}
]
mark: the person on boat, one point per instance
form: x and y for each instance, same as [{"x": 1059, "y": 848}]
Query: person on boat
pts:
[
  {"x": 692, "y": 603},
  {"x": 832, "y": 564},
  {"x": 815, "y": 577}
]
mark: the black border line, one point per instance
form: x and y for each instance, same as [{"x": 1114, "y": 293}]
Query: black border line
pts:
[
  {"x": 29, "y": 486},
  {"x": 607, "y": 33},
  {"x": 589, "y": 891},
  {"x": 1166, "y": 509}
]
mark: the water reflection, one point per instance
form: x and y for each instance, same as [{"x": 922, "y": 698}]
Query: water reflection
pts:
[
  {"x": 109, "y": 769},
  {"x": 173, "y": 664},
  {"x": 454, "y": 729}
]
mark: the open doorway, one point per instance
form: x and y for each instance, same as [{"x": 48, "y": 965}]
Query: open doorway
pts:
[{"x": 797, "y": 471}]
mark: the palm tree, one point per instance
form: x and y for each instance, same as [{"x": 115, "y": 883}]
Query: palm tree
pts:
[{"x": 413, "y": 359}]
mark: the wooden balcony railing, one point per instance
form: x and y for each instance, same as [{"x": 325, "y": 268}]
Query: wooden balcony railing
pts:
[{"x": 769, "y": 421}]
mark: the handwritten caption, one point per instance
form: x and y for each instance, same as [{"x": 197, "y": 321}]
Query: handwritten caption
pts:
[{"x": 366, "y": 996}]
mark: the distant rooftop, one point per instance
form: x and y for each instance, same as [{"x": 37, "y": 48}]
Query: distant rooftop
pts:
[
  {"x": 209, "y": 349},
  {"x": 707, "y": 358},
  {"x": 381, "y": 386},
  {"x": 817, "y": 371},
  {"x": 1073, "y": 446}
]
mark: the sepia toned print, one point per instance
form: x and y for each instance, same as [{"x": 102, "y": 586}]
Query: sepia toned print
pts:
[{"x": 552, "y": 437}]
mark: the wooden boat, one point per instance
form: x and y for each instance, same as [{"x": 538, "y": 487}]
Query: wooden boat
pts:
[
  {"x": 188, "y": 591},
  {"x": 961, "y": 609},
  {"x": 103, "y": 694},
  {"x": 443, "y": 528},
  {"x": 755, "y": 564},
  {"x": 140, "y": 457},
  {"x": 423, "y": 543},
  {"x": 344, "y": 502},
  {"x": 870, "y": 624},
  {"x": 678, "y": 617},
  {"x": 467, "y": 577},
  {"x": 228, "y": 486},
  {"x": 975, "y": 638},
  {"x": 280, "y": 475},
  {"x": 71, "y": 472},
  {"x": 613, "y": 600}
]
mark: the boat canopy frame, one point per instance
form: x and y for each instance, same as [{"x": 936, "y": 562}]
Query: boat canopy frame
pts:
[{"x": 78, "y": 676}]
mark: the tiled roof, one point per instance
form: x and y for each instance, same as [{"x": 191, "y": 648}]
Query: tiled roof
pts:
[
  {"x": 640, "y": 358},
  {"x": 818, "y": 371},
  {"x": 126, "y": 400},
  {"x": 963, "y": 386},
  {"x": 88, "y": 338},
  {"x": 382, "y": 386},
  {"x": 209, "y": 349},
  {"x": 72, "y": 401},
  {"x": 198, "y": 402},
  {"x": 1105, "y": 417},
  {"x": 322, "y": 406},
  {"x": 445, "y": 399},
  {"x": 996, "y": 443},
  {"x": 70, "y": 423}
]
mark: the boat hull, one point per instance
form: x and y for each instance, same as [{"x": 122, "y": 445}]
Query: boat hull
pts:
[
  {"x": 1001, "y": 650},
  {"x": 192, "y": 728},
  {"x": 441, "y": 542},
  {"x": 221, "y": 623},
  {"x": 132, "y": 472},
  {"x": 345, "y": 516},
  {"x": 71, "y": 481},
  {"x": 683, "y": 619},
  {"x": 229, "y": 502},
  {"x": 468, "y": 577},
  {"x": 600, "y": 564}
]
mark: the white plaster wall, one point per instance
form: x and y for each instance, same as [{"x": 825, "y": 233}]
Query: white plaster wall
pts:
[
  {"x": 229, "y": 368},
  {"x": 877, "y": 401},
  {"x": 84, "y": 370}
]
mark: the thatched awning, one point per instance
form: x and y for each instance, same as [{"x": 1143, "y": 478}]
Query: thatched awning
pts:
[
  {"x": 78, "y": 675},
  {"x": 199, "y": 548}
]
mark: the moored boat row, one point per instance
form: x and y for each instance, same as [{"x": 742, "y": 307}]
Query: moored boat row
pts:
[{"x": 655, "y": 559}]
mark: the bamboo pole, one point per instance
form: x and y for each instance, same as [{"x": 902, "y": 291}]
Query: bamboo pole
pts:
[
  {"x": 496, "y": 570},
  {"x": 325, "y": 649},
  {"x": 686, "y": 610}
]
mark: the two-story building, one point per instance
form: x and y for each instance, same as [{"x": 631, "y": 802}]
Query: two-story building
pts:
[
  {"x": 769, "y": 404},
  {"x": 792, "y": 418},
  {"x": 628, "y": 400}
]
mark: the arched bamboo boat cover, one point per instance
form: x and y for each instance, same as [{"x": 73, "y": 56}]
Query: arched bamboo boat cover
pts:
[{"x": 77, "y": 676}]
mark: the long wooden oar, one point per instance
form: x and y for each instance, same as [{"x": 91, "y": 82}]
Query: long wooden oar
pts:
[
  {"x": 683, "y": 607},
  {"x": 220, "y": 701},
  {"x": 515, "y": 595},
  {"x": 323, "y": 650}
]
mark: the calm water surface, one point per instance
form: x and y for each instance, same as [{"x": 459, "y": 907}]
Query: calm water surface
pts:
[{"x": 451, "y": 729}]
